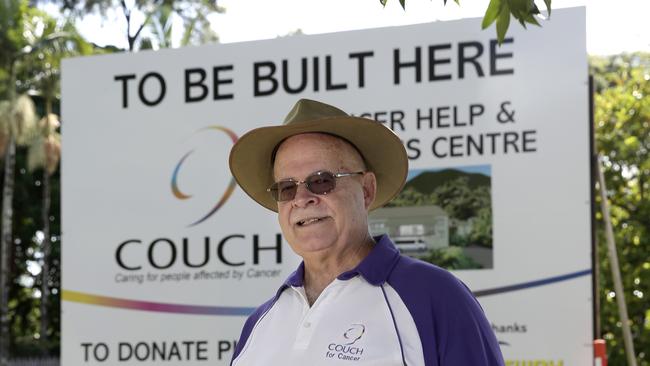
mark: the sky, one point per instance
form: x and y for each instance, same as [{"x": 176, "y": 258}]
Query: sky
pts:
[{"x": 613, "y": 26}]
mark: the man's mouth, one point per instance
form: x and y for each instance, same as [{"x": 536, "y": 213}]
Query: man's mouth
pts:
[{"x": 309, "y": 221}]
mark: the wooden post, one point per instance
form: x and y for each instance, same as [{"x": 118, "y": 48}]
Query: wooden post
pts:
[{"x": 616, "y": 272}]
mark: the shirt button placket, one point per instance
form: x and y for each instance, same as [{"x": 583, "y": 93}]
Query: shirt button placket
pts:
[{"x": 304, "y": 331}]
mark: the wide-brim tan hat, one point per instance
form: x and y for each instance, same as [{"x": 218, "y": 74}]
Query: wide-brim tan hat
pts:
[{"x": 251, "y": 158}]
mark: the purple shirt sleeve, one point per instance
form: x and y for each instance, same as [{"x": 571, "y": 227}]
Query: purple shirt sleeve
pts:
[
  {"x": 451, "y": 324},
  {"x": 250, "y": 324}
]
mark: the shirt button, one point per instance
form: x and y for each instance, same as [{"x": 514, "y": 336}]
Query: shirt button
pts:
[{"x": 307, "y": 324}]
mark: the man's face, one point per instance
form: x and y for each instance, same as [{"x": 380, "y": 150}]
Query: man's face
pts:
[{"x": 323, "y": 224}]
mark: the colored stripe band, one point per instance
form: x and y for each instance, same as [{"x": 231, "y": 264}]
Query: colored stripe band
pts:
[
  {"x": 113, "y": 302},
  {"x": 537, "y": 283}
]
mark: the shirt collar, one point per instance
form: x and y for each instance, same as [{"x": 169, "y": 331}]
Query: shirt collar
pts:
[
  {"x": 374, "y": 268},
  {"x": 297, "y": 277},
  {"x": 377, "y": 265}
]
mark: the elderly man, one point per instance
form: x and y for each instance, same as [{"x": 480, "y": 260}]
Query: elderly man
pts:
[{"x": 354, "y": 299}]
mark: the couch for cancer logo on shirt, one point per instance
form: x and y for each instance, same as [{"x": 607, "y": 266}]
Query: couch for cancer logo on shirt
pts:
[
  {"x": 353, "y": 334},
  {"x": 346, "y": 348},
  {"x": 219, "y": 200}
]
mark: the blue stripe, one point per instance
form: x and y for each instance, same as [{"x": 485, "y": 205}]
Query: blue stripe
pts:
[
  {"x": 399, "y": 338},
  {"x": 536, "y": 283}
]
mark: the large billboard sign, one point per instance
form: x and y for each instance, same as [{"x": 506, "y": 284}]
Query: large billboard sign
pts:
[{"x": 164, "y": 256}]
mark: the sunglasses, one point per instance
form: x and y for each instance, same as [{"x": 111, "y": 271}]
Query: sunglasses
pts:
[{"x": 321, "y": 182}]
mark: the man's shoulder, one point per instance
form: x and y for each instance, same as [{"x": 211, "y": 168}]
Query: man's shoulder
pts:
[
  {"x": 261, "y": 310},
  {"x": 446, "y": 314},
  {"x": 427, "y": 282},
  {"x": 409, "y": 269},
  {"x": 255, "y": 316}
]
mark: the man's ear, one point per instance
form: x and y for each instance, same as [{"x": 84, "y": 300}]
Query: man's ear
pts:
[{"x": 369, "y": 184}]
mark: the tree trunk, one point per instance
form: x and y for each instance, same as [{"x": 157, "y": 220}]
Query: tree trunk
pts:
[
  {"x": 45, "y": 269},
  {"x": 45, "y": 247},
  {"x": 7, "y": 246},
  {"x": 6, "y": 225}
]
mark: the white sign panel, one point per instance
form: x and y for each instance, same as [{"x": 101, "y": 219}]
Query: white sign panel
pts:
[{"x": 164, "y": 256}]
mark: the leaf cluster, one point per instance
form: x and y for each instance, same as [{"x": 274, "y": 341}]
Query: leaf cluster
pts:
[
  {"x": 53, "y": 40},
  {"x": 13, "y": 14},
  {"x": 525, "y": 11},
  {"x": 500, "y": 11}
]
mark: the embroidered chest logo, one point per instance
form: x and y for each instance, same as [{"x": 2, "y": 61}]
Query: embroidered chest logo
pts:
[{"x": 345, "y": 348}]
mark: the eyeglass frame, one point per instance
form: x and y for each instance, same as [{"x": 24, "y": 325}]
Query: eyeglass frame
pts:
[{"x": 316, "y": 173}]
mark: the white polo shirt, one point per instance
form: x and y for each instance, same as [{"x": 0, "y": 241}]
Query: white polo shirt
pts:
[{"x": 389, "y": 310}]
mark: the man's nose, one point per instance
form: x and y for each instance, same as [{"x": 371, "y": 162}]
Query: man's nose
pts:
[{"x": 304, "y": 197}]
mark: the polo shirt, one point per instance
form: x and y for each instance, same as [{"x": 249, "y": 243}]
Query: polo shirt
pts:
[{"x": 389, "y": 310}]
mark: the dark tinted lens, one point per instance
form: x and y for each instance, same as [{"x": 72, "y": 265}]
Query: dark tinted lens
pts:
[
  {"x": 321, "y": 183},
  {"x": 273, "y": 190},
  {"x": 284, "y": 191}
]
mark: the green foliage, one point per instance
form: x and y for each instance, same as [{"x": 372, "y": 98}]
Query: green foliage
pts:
[
  {"x": 13, "y": 14},
  {"x": 196, "y": 27},
  {"x": 463, "y": 197},
  {"x": 156, "y": 29},
  {"x": 403, "y": 3},
  {"x": 460, "y": 201},
  {"x": 36, "y": 44},
  {"x": 456, "y": 197},
  {"x": 452, "y": 258},
  {"x": 622, "y": 127},
  {"x": 409, "y": 197},
  {"x": 39, "y": 70},
  {"x": 24, "y": 305},
  {"x": 525, "y": 11},
  {"x": 482, "y": 228}
]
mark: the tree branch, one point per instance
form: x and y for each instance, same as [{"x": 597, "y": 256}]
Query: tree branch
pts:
[{"x": 127, "y": 15}]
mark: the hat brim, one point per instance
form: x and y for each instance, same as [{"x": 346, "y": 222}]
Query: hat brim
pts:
[{"x": 252, "y": 166}]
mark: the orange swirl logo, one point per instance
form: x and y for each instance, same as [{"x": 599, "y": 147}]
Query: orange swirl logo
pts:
[{"x": 226, "y": 194}]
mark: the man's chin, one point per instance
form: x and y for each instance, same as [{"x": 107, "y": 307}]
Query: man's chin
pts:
[{"x": 312, "y": 245}]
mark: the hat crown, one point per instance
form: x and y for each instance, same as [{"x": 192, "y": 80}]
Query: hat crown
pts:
[
  {"x": 309, "y": 110},
  {"x": 252, "y": 167}
]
